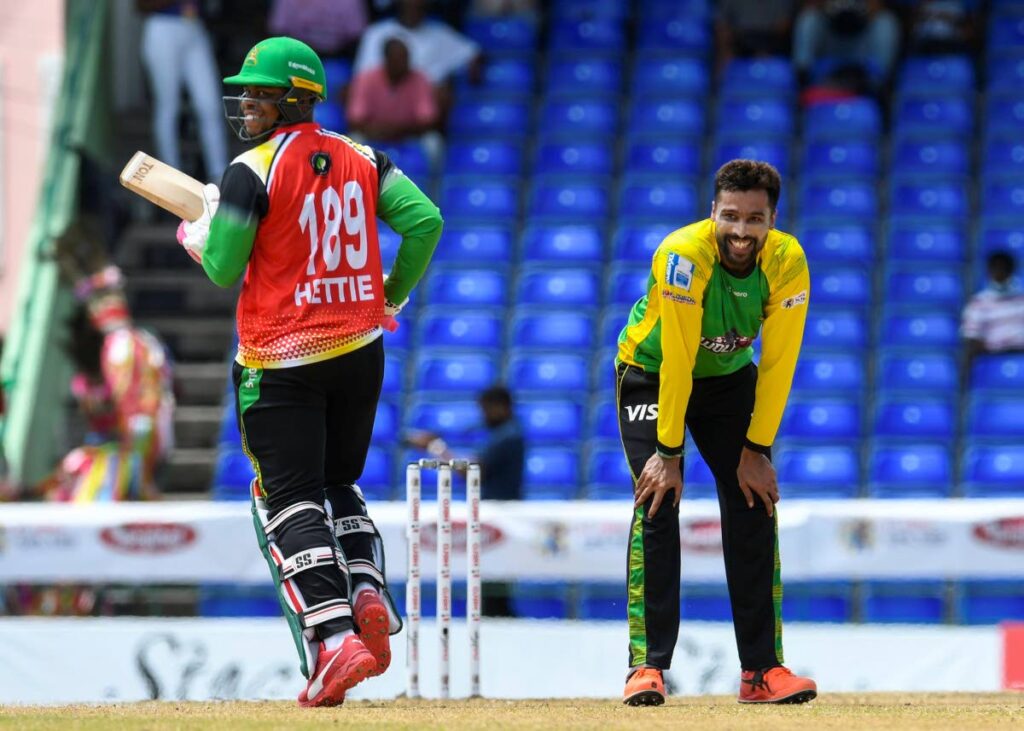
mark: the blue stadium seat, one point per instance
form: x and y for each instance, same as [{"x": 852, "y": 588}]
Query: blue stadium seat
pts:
[
  {"x": 818, "y": 371},
  {"x": 592, "y": 34},
  {"x": 613, "y": 319},
  {"x": 389, "y": 241},
  {"x": 919, "y": 371},
  {"x": 482, "y": 199},
  {"x": 817, "y": 601},
  {"x": 840, "y": 199},
  {"x": 585, "y": 76},
  {"x": 636, "y": 243},
  {"x": 853, "y": 119},
  {"x": 910, "y": 471},
  {"x": 931, "y": 287},
  {"x": 582, "y": 201},
  {"x": 574, "y": 158},
  {"x": 509, "y": 74},
  {"x": 338, "y": 72},
  {"x": 920, "y": 329},
  {"x": 533, "y": 370},
  {"x": 999, "y": 236},
  {"x": 914, "y": 417},
  {"x": 668, "y": 118},
  {"x": 454, "y": 419},
  {"x": 821, "y": 418},
  {"x": 550, "y": 419},
  {"x": 604, "y": 421},
  {"x": 990, "y": 601},
  {"x": 838, "y": 242},
  {"x": 840, "y": 285},
  {"x": 1002, "y": 156},
  {"x": 826, "y": 471},
  {"x": 503, "y": 34},
  {"x": 937, "y": 115},
  {"x": 385, "y": 423},
  {"x": 1006, "y": 75},
  {"x": 602, "y": 601},
  {"x": 937, "y": 74},
  {"x": 608, "y": 476},
  {"x": 670, "y": 77},
  {"x": 411, "y": 156},
  {"x": 551, "y": 473},
  {"x": 539, "y": 600},
  {"x": 690, "y": 36},
  {"x": 565, "y": 287},
  {"x": 765, "y": 116},
  {"x": 1003, "y": 197},
  {"x": 841, "y": 157},
  {"x": 698, "y": 481},
  {"x": 835, "y": 328},
  {"x": 759, "y": 76},
  {"x": 1004, "y": 34},
  {"x": 579, "y": 118},
  {"x": 378, "y": 479},
  {"x": 394, "y": 374},
  {"x": 483, "y": 158},
  {"x": 229, "y": 435},
  {"x": 776, "y": 152},
  {"x": 491, "y": 117},
  {"x": 559, "y": 329},
  {"x": 660, "y": 198},
  {"x": 329, "y": 115},
  {"x": 705, "y": 603},
  {"x": 998, "y": 372},
  {"x": 1004, "y": 113},
  {"x": 929, "y": 198},
  {"x": 993, "y": 469},
  {"x": 626, "y": 284},
  {"x": 400, "y": 339},
  {"x": 950, "y": 157},
  {"x": 995, "y": 415},
  {"x": 453, "y": 371},
  {"x": 660, "y": 157},
  {"x": 913, "y": 240},
  {"x": 904, "y": 602},
  {"x": 232, "y": 474},
  {"x": 454, "y": 327},
  {"x": 467, "y": 287},
  {"x": 477, "y": 243},
  {"x": 563, "y": 243}
]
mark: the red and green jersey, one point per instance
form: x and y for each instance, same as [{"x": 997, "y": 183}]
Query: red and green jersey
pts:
[
  {"x": 698, "y": 320},
  {"x": 298, "y": 214}
]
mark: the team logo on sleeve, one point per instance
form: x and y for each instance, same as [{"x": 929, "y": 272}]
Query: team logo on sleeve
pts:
[
  {"x": 320, "y": 162},
  {"x": 679, "y": 272},
  {"x": 795, "y": 301}
]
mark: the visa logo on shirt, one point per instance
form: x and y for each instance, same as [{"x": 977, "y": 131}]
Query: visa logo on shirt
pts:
[
  {"x": 679, "y": 272},
  {"x": 642, "y": 412}
]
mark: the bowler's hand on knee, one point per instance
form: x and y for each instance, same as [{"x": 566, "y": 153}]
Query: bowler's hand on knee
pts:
[
  {"x": 660, "y": 476},
  {"x": 756, "y": 475}
]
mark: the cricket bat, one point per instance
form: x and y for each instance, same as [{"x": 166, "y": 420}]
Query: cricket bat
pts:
[{"x": 163, "y": 185}]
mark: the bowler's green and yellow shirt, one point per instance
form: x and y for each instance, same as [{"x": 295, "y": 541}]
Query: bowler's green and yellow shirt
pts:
[{"x": 698, "y": 320}]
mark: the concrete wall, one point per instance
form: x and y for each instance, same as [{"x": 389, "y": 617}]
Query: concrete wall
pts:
[{"x": 31, "y": 47}]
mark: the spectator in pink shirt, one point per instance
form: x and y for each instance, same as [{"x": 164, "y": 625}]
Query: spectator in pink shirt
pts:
[{"x": 392, "y": 102}]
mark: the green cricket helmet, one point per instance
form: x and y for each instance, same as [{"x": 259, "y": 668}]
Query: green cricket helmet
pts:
[{"x": 281, "y": 62}]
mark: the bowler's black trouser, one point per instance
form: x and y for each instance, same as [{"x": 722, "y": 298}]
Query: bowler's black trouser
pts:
[
  {"x": 717, "y": 416},
  {"x": 308, "y": 430}
]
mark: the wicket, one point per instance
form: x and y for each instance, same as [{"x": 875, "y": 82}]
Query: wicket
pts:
[{"x": 413, "y": 598}]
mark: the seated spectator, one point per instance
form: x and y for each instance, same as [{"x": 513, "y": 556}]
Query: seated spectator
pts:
[
  {"x": 392, "y": 102},
  {"x": 858, "y": 33},
  {"x": 745, "y": 28},
  {"x": 495, "y": 8},
  {"x": 330, "y": 27},
  {"x": 941, "y": 26},
  {"x": 993, "y": 319}
]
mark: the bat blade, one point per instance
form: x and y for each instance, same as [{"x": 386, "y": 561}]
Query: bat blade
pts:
[{"x": 164, "y": 185}]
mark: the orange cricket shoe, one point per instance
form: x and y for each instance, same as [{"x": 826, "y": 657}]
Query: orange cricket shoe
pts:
[
  {"x": 374, "y": 623},
  {"x": 775, "y": 685},
  {"x": 645, "y": 687},
  {"x": 336, "y": 672}
]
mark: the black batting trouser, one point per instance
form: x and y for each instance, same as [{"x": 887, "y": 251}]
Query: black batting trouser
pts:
[
  {"x": 308, "y": 429},
  {"x": 717, "y": 416}
]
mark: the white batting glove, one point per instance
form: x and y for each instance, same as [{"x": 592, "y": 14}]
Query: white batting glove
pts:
[
  {"x": 193, "y": 234},
  {"x": 390, "y": 308}
]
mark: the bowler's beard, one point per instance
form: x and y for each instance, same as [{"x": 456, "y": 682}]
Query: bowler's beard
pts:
[{"x": 739, "y": 260}]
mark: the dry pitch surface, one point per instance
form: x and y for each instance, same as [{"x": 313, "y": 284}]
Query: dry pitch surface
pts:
[{"x": 961, "y": 711}]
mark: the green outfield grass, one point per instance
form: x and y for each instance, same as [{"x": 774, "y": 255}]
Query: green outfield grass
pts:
[{"x": 833, "y": 711}]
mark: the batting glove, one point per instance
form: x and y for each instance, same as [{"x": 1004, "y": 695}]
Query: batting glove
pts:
[{"x": 193, "y": 234}]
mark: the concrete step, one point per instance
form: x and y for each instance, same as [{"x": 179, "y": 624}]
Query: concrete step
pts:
[
  {"x": 188, "y": 471},
  {"x": 201, "y": 384},
  {"x": 204, "y": 339},
  {"x": 197, "y": 427},
  {"x": 163, "y": 292},
  {"x": 152, "y": 244}
]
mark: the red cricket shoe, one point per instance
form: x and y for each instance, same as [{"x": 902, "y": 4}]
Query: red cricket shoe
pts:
[
  {"x": 775, "y": 685},
  {"x": 373, "y": 622},
  {"x": 645, "y": 687},
  {"x": 336, "y": 672}
]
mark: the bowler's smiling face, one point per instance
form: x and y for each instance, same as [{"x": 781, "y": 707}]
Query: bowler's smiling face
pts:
[{"x": 742, "y": 219}]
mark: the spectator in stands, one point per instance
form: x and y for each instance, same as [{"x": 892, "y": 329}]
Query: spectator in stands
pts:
[
  {"x": 494, "y": 8},
  {"x": 941, "y": 26},
  {"x": 745, "y": 28},
  {"x": 329, "y": 27},
  {"x": 436, "y": 49},
  {"x": 177, "y": 52},
  {"x": 858, "y": 34},
  {"x": 392, "y": 102},
  {"x": 993, "y": 319}
]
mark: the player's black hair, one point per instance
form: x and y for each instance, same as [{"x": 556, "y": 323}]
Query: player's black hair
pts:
[
  {"x": 1003, "y": 260},
  {"x": 497, "y": 395},
  {"x": 744, "y": 175}
]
